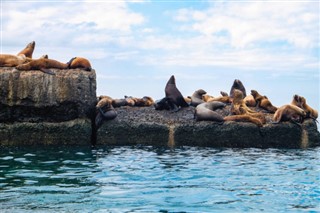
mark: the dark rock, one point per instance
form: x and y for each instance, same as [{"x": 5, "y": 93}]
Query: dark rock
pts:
[
  {"x": 75, "y": 132},
  {"x": 145, "y": 125}
]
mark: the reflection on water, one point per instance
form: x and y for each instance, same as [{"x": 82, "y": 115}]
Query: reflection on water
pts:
[{"x": 119, "y": 179}]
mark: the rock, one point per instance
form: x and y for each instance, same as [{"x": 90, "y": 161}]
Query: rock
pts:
[
  {"x": 144, "y": 125},
  {"x": 32, "y": 96},
  {"x": 74, "y": 132}
]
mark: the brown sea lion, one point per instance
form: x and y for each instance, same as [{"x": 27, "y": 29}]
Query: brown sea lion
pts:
[
  {"x": 104, "y": 111},
  {"x": 206, "y": 97},
  {"x": 143, "y": 102},
  {"x": 238, "y": 107},
  {"x": 43, "y": 64},
  {"x": 196, "y": 97},
  {"x": 263, "y": 102},
  {"x": 7, "y": 60},
  {"x": 205, "y": 111},
  {"x": 79, "y": 62},
  {"x": 174, "y": 96},
  {"x": 28, "y": 50},
  {"x": 130, "y": 100},
  {"x": 223, "y": 99},
  {"x": 244, "y": 118},
  {"x": 301, "y": 102},
  {"x": 237, "y": 84},
  {"x": 289, "y": 112},
  {"x": 249, "y": 101}
]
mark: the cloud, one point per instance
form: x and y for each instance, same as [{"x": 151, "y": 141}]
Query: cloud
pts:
[
  {"x": 250, "y": 35},
  {"x": 84, "y": 24}
]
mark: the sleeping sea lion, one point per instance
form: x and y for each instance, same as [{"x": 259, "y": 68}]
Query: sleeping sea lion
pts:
[
  {"x": 24, "y": 56},
  {"x": 28, "y": 50},
  {"x": 289, "y": 112},
  {"x": 143, "y": 102},
  {"x": 244, "y": 118},
  {"x": 206, "y": 97},
  {"x": 43, "y": 64},
  {"x": 205, "y": 111},
  {"x": 7, "y": 60},
  {"x": 196, "y": 97},
  {"x": 263, "y": 102},
  {"x": 237, "y": 84},
  {"x": 79, "y": 62},
  {"x": 174, "y": 96},
  {"x": 301, "y": 102}
]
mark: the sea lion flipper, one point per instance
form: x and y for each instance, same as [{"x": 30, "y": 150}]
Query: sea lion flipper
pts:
[{"x": 47, "y": 71}]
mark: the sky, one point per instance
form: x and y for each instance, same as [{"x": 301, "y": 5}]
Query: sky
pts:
[{"x": 135, "y": 46}]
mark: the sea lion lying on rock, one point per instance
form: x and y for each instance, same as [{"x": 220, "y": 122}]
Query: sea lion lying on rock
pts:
[
  {"x": 196, "y": 97},
  {"x": 104, "y": 111},
  {"x": 206, "y": 111},
  {"x": 238, "y": 107},
  {"x": 24, "y": 56},
  {"x": 301, "y": 102},
  {"x": 79, "y": 62},
  {"x": 289, "y": 112},
  {"x": 263, "y": 102}
]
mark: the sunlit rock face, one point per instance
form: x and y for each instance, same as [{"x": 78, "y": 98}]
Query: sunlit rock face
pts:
[{"x": 33, "y": 96}]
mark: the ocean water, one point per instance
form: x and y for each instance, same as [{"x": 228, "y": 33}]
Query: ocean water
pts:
[{"x": 148, "y": 179}]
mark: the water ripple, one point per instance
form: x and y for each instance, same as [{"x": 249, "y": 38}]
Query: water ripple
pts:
[{"x": 148, "y": 179}]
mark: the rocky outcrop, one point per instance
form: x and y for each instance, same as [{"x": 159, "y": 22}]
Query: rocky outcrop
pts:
[
  {"x": 144, "y": 125},
  {"x": 32, "y": 96},
  {"x": 37, "y": 108}
]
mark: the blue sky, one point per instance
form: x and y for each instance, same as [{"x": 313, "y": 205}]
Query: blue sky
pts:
[{"x": 135, "y": 46}]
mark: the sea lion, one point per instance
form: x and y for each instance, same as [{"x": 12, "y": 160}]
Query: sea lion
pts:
[
  {"x": 130, "y": 100},
  {"x": 263, "y": 102},
  {"x": 289, "y": 112},
  {"x": 224, "y": 93},
  {"x": 104, "y": 111},
  {"x": 301, "y": 102},
  {"x": 43, "y": 64},
  {"x": 28, "y": 50},
  {"x": 244, "y": 118},
  {"x": 205, "y": 111},
  {"x": 237, "y": 84},
  {"x": 207, "y": 97},
  {"x": 174, "y": 96},
  {"x": 223, "y": 99},
  {"x": 162, "y": 104},
  {"x": 249, "y": 101},
  {"x": 196, "y": 97},
  {"x": 7, "y": 60},
  {"x": 143, "y": 102},
  {"x": 238, "y": 107},
  {"x": 79, "y": 62}
]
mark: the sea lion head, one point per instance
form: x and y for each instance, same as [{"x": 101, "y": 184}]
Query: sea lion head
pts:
[{"x": 237, "y": 84}]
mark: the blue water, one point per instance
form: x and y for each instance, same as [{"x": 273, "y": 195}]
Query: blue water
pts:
[{"x": 146, "y": 179}]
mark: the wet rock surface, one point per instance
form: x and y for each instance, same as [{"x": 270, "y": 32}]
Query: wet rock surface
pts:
[{"x": 145, "y": 125}]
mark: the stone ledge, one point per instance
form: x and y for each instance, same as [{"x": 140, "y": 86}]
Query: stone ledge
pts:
[
  {"x": 144, "y": 125},
  {"x": 75, "y": 132}
]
